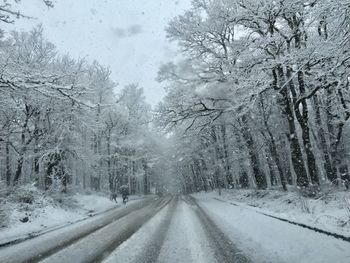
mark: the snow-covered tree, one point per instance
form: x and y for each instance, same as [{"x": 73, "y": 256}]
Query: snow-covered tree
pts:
[{"x": 271, "y": 72}]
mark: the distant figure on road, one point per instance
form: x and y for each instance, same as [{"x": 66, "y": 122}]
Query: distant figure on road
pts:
[{"x": 124, "y": 190}]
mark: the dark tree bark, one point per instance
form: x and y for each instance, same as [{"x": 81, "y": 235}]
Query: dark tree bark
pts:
[
  {"x": 303, "y": 121},
  {"x": 18, "y": 172},
  {"x": 109, "y": 163},
  {"x": 273, "y": 149},
  {"x": 259, "y": 176},
  {"x": 338, "y": 154},
  {"x": 330, "y": 171},
  {"x": 8, "y": 163},
  {"x": 228, "y": 173},
  {"x": 296, "y": 154},
  {"x": 221, "y": 179}
]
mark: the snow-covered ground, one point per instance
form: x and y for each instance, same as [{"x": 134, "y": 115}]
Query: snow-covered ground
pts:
[
  {"x": 265, "y": 239},
  {"x": 31, "y": 212},
  {"x": 329, "y": 212},
  {"x": 84, "y": 239},
  {"x": 212, "y": 229}
]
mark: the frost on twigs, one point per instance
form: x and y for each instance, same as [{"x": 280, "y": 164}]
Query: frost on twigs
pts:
[
  {"x": 48, "y": 3},
  {"x": 9, "y": 10}
]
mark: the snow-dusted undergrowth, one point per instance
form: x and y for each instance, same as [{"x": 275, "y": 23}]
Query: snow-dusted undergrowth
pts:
[
  {"x": 29, "y": 210},
  {"x": 330, "y": 210}
]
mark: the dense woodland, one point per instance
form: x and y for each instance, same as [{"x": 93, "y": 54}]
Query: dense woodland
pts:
[
  {"x": 262, "y": 97},
  {"x": 259, "y": 99},
  {"x": 61, "y": 122}
]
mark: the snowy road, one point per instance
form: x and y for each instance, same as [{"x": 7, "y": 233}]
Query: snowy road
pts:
[
  {"x": 41, "y": 247},
  {"x": 156, "y": 230},
  {"x": 181, "y": 232},
  {"x": 180, "y": 229}
]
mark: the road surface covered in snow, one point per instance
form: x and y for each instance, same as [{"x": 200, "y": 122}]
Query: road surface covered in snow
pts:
[
  {"x": 47, "y": 244},
  {"x": 179, "y": 233},
  {"x": 181, "y": 229}
]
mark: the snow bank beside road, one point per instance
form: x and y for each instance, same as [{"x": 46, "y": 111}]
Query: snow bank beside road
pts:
[
  {"x": 329, "y": 212},
  {"x": 265, "y": 239},
  {"x": 29, "y": 211}
]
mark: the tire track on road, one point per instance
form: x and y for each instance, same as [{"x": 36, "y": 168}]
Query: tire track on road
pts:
[
  {"x": 98, "y": 245},
  {"x": 151, "y": 254},
  {"x": 144, "y": 246},
  {"x": 36, "y": 249},
  {"x": 225, "y": 250},
  {"x": 25, "y": 237}
]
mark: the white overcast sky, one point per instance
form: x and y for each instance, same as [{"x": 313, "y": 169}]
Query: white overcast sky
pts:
[{"x": 126, "y": 35}]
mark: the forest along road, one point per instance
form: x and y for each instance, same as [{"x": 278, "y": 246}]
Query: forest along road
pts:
[{"x": 92, "y": 237}]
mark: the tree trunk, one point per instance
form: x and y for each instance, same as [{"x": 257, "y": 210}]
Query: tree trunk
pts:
[
  {"x": 303, "y": 121},
  {"x": 18, "y": 169},
  {"x": 339, "y": 155},
  {"x": 296, "y": 154},
  {"x": 273, "y": 148},
  {"x": 276, "y": 158},
  {"x": 221, "y": 178},
  {"x": 8, "y": 163},
  {"x": 260, "y": 178},
  {"x": 228, "y": 173},
  {"x": 109, "y": 163},
  {"x": 330, "y": 171}
]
